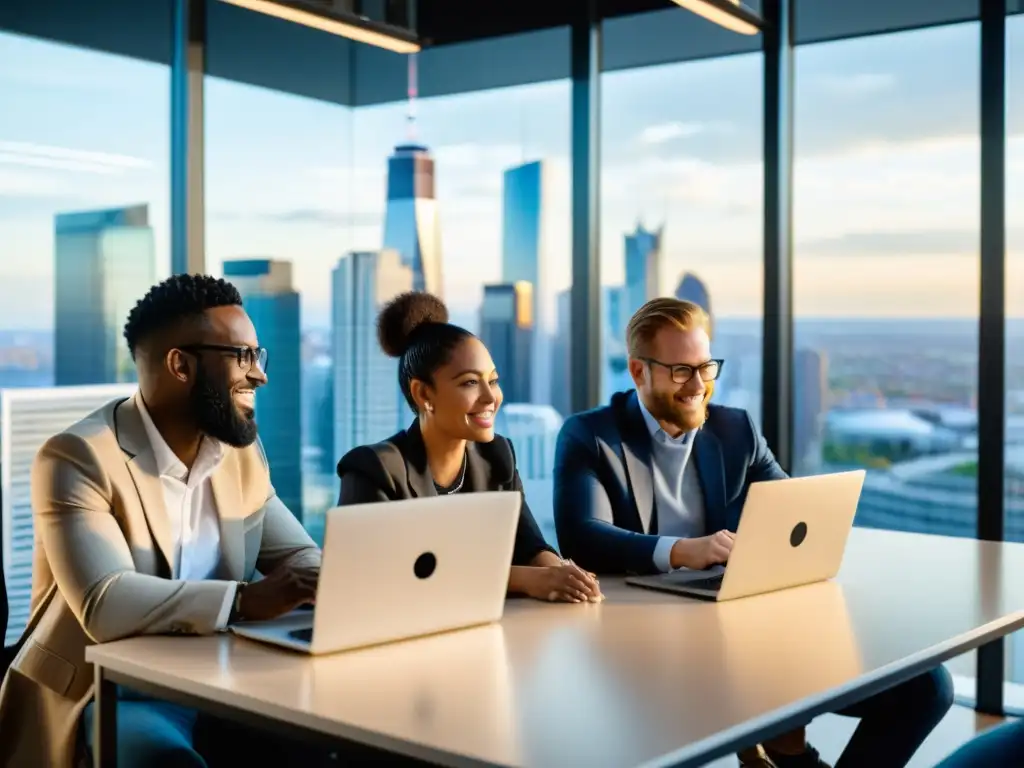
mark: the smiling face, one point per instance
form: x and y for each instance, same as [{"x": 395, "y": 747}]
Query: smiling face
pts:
[
  {"x": 222, "y": 391},
  {"x": 680, "y": 406},
  {"x": 464, "y": 396}
]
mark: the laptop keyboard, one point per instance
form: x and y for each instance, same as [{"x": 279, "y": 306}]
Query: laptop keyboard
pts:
[
  {"x": 303, "y": 635},
  {"x": 714, "y": 583},
  {"x": 711, "y": 583}
]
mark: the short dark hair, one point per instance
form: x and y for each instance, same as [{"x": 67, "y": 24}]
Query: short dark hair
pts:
[
  {"x": 176, "y": 299},
  {"x": 414, "y": 328}
]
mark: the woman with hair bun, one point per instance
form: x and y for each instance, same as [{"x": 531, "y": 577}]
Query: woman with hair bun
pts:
[{"x": 448, "y": 378}]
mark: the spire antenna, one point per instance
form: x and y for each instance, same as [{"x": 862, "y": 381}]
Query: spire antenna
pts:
[{"x": 410, "y": 117}]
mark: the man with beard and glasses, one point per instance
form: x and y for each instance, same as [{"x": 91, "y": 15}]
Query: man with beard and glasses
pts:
[
  {"x": 152, "y": 516},
  {"x": 656, "y": 481}
]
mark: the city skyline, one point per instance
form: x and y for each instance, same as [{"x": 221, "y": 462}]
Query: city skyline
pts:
[
  {"x": 901, "y": 133},
  {"x": 323, "y": 212}
]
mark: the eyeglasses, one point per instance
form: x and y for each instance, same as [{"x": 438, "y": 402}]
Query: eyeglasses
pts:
[
  {"x": 681, "y": 374},
  {"x": 246, "y": 356}
]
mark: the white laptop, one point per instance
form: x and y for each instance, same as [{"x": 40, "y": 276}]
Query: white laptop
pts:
[
  {"x": 792, "y": 532},
  {"x": 401, "y": 569}
]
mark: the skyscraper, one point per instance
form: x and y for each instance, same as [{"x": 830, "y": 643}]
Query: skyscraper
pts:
[
  {"x": 614, "y": 362},
  {"x": 318, "y": 407},
  {"x": 368, "y": 405},
  {"x": 525, "y": 257},
  {"x": 561, "y": 349},
  {"x": 810, "y": 385},
  {"x": 692, "y": 288},
  {"x": 273, "y": 305},
  {"x": 643, "y": 267},
  {"x": 104, "y": 262},
  {"x": 533, "y": 430},
  {"x": 506, "y": 328},
  {"x": 28, "y": 417},
  {"x": 411, "y": 221}
]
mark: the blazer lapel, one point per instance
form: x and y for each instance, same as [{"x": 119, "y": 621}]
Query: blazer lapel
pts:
[
  {"x": 479, "y": 471},
  {"x": 228, "y": 497},
  {"x": 417, "y": 470},
  {"x": 707, "y": 450},
  {"x": 141, "y": 461},
  {"x": 636, "y": 453}
]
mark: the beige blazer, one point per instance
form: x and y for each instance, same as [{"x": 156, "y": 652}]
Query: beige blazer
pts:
[{"x": 101, "y": 568}]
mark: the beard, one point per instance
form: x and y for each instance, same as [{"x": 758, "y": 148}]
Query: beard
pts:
[
  {"x": 216, "y": 414},
  {"x": 664, "y": 408}
]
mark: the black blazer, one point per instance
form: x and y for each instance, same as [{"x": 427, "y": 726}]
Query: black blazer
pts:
[
  {"x": 605, "y": 511},
  {"x": 397, "y": 469}
]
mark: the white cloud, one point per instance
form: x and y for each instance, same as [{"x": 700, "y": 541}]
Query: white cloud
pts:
[
  {"x": 857, "y": 84},
  {"x": 660, "y": 133},
  {"x": 65, "y": 159},
  {"x": 869, "y": 197}
]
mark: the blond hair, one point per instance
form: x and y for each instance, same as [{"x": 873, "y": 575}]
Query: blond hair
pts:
[{"x": 666, "y": 312}]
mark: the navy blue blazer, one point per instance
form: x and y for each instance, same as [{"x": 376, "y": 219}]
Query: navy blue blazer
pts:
[{"x": 605, "y": 513}]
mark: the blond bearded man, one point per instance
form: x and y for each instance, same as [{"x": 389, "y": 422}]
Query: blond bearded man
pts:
[{"x": 656, "y": 481}]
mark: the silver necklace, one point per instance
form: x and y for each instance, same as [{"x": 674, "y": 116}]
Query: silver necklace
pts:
[{"x": 462, "y": 478}]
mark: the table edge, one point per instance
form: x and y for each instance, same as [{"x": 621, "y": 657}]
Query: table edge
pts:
[
  {"x": 800, "y": 712},
  {"x": 693, "y": 754}
]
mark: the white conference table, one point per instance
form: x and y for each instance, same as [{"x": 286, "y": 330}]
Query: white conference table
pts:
[{"x": 643, "y": 679}]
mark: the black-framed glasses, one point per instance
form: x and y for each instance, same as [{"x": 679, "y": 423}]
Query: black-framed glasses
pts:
[
  {"x": 247, "y": 356},
  {"x": 681, "y": 373}
]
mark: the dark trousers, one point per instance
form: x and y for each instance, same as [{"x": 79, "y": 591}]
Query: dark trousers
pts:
[
  {"x": 895, "y": 722},
  {"x": 157, "y": 734},
  {"x": 1003, "y": 745}
]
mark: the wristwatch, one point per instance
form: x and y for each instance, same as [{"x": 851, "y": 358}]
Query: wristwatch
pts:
[{"x": 236, "y": 606}]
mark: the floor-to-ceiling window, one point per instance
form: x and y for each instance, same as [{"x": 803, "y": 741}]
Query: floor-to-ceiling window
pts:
[
  {"x": 478, "y": 183},
  {"x": 1014, "y": 457},
  {"x": 280, "y": 204},
  {"x": 681, "y": 209},
  {"x": 84, "y": 176},
  {"x": 463, "y": 195},
  {"x": 886, "y": 276}
]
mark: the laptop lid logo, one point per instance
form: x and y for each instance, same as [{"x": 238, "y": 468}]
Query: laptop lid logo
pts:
[
  {"x": 424, "y": 565},
  {"x": 799, "y": 533}
]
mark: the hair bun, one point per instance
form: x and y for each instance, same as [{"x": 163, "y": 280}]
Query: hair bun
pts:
[{"x": 403, "y": 315}]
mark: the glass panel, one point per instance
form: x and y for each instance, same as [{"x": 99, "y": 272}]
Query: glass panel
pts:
[
  {"x": 477, "y": 185},
  {"x": 472, "y": 193},
  {"x": 886, "y": 275},
  {"x": 681, "y": 209},
  {"x": 341, "y": 210},
  {"x": 280, "y": 207},
  {"x": 1014, "y": 468},
  {"x": 84, "y": 177}
]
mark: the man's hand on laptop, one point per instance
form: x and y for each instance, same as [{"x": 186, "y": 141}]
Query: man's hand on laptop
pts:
[
  {"x": 279, "y": 592},
  {"x": 698, "y": 554}
]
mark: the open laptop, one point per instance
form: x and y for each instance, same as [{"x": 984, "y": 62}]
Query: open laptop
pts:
[
  {"x": 792, "y": 532},
  {"x": 403, "y": 569}
]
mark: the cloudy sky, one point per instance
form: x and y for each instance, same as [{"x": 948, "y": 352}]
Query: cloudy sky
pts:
[{"x": 886, "y": 180}]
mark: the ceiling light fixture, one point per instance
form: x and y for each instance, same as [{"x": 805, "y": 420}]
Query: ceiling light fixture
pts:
[
  {"x": 731, "y": 14},
  {"x": 353, "y": 27}
]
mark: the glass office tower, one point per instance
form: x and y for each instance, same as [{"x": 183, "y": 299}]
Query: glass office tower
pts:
[
  {"x": 104, "y": 262},
  {"x": 273, "y": 305}
]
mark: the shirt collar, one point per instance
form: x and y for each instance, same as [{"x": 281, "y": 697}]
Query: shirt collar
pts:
[
  {"x": 167, "y": 463},
  {"x": 657, "y": 432}
]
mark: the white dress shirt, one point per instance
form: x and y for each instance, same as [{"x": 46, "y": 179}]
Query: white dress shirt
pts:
[
  {"x": 191, "y": 507},
  {"x": 678, "y": 498}
]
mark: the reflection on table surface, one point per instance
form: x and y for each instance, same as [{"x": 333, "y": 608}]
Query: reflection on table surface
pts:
[{"x": 638, "y": 677}]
